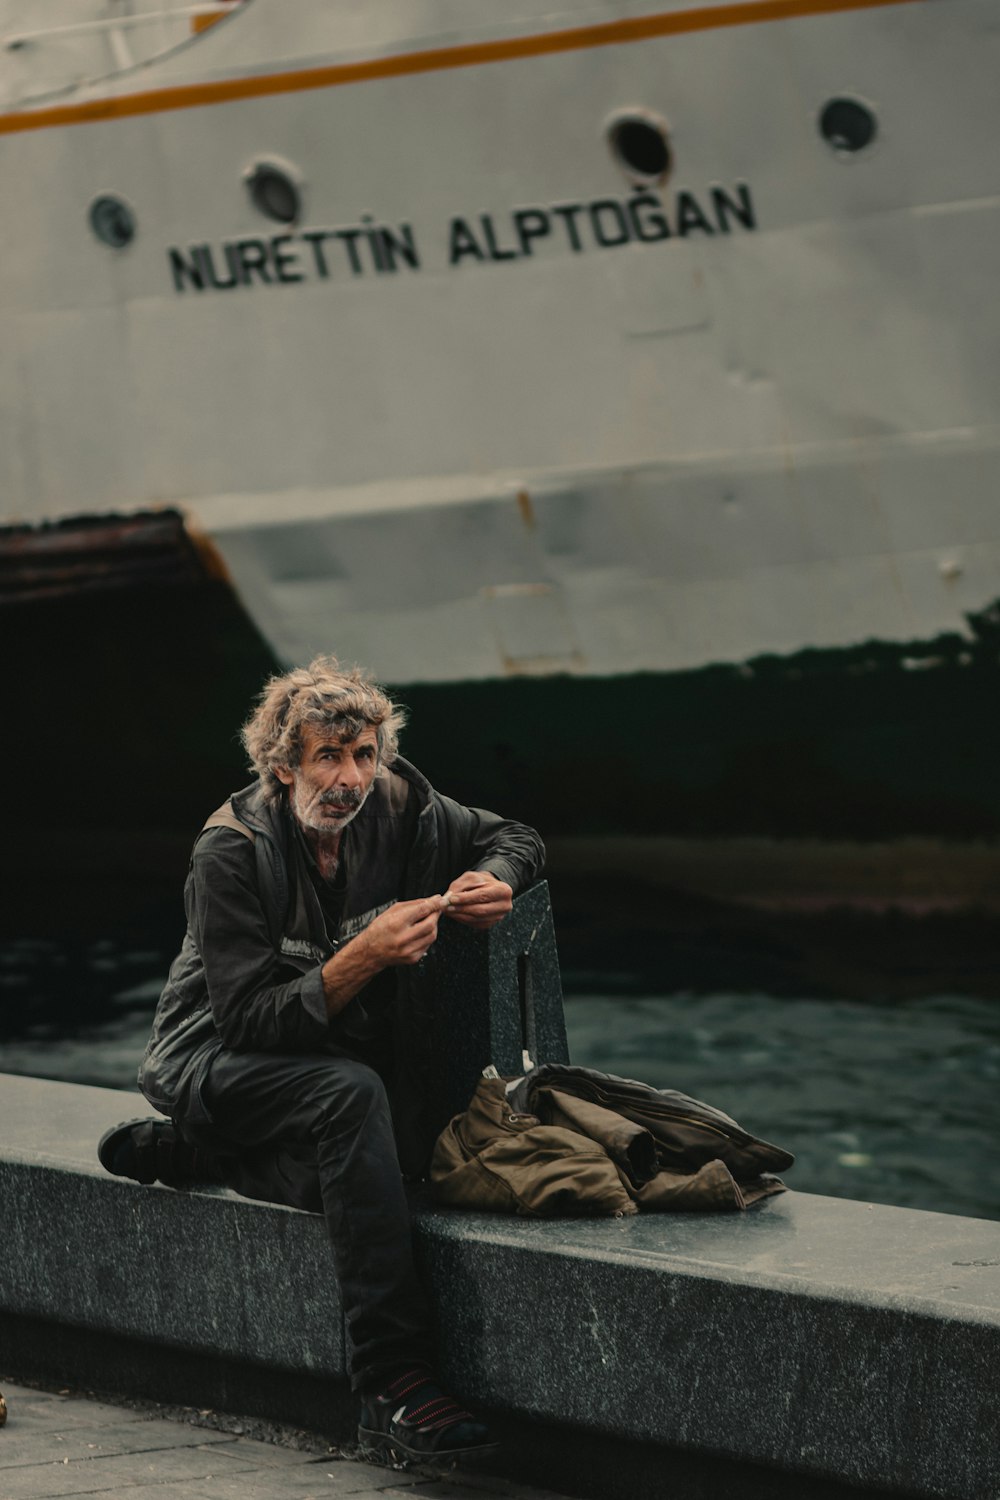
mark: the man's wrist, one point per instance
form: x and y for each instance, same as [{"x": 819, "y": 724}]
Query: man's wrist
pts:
[{"x": 347, "y": 971}]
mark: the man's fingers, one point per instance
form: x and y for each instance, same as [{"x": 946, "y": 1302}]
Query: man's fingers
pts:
[
  {"x": 409, "y": 914},
  {"x": 418, "y": 942},
  {"x": 477, "y": 896},
  {"x": 403, "y": 934},
  {"x": 426, "y": 906},
  {"x": 420, "y": 935},
  {"x": 481, "y": 916},
  {"x": 475, "y": 913},
  {"x": 482, "y": 904}
]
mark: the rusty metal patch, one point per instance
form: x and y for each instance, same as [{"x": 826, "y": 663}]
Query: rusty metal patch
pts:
[{"x": 85, "y": 554}]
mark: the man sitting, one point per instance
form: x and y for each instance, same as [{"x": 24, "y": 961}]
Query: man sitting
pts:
[{"x": 289, "y": 1048}]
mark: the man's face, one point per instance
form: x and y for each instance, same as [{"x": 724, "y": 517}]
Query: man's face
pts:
[{"x": 332, "y": 780}]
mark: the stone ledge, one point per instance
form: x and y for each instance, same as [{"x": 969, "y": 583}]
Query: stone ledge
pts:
[{"x": 827, "y": 1340}]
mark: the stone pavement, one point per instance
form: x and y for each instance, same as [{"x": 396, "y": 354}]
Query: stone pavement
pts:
[{"x": 57, "y": 1445}]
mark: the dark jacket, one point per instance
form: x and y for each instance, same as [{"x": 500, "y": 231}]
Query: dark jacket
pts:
[{"x": 248, "y": 976}]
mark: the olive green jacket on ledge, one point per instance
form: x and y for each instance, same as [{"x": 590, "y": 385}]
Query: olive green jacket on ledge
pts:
[{"x": 567, "y": 1140}]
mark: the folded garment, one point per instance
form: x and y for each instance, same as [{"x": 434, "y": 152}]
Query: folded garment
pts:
[
  {"x": 630, "y": 1146},
  {"x": 688, "y": 1133},
  {"x": 491, "y": 1157},
  {"x": 711, "y": 1188},
  {"x": 570, "y": 1153}
]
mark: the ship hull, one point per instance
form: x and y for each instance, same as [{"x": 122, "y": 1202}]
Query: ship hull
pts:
[{"x": 709, "y": 456}]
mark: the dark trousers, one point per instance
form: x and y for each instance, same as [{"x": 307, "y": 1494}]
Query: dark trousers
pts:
[{"x": 315, "y": 1132}]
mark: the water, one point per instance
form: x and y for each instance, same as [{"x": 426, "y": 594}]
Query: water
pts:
[
  {"x": 890, "y": 1103},
  {"x": 886, "y": 1103}
]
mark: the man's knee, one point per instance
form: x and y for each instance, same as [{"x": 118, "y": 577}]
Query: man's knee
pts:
[{"x": 350, "y": 1094}]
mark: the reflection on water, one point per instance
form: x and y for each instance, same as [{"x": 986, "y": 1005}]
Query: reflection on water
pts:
[{"x": 892, "y": 1103}]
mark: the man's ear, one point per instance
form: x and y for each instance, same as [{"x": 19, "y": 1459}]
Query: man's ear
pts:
[{"x": 284, "y": 775}]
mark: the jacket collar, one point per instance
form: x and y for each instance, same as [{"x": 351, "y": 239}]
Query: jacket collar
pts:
[{"x": 255, "y": 807}]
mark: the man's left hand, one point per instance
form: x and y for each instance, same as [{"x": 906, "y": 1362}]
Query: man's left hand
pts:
[{"x": 478, "y": 899}]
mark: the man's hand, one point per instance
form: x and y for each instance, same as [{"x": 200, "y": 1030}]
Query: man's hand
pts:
[
  {"x": 478, "y": 899},
  {"x": 403, "y": 934}
]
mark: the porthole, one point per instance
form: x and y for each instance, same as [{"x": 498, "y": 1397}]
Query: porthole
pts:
[
  {"x": 640, "y": 144},
  {"x": 275, "y": 191},
  {"x": 847, "y": 125},
  {"x": 112, "y": 221}
]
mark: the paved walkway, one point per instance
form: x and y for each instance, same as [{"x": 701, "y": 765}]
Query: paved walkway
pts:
[{"x": 65, "y": 1444}]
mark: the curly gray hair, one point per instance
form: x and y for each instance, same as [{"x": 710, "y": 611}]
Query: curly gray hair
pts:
[{"x": 325, "y": 695}]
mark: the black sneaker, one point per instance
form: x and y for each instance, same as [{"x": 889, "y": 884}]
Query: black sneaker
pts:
[
  {"x": 152, "y": 1150},
  {"x": 412, "y": 1418}
]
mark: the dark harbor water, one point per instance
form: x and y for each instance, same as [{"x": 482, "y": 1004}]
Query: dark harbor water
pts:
[{"x": 890, "y": 1102}]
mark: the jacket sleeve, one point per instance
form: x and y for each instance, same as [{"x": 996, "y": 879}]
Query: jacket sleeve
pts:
[
  {"x": 480, "y": 840},
  {"x": 256, "y": 1006}
]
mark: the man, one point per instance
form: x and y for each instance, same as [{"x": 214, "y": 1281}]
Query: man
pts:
[{"x": 289, "y": 1048}]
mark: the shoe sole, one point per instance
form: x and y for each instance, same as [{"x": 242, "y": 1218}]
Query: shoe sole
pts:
[{"x": 380, "y": 1446}]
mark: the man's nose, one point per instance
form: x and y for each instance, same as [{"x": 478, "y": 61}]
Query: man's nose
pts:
[{"x": 348, "y": 772}]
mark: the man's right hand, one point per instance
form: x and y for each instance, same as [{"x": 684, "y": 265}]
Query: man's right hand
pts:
[{"x": 403, "y": 934}]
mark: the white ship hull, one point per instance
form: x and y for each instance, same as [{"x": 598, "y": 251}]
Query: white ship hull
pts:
[{"x": 485, "y": 408}]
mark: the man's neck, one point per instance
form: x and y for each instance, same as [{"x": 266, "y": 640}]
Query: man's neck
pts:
[{"x": 325, "y": 850}]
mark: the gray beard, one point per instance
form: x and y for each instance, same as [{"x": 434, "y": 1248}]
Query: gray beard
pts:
[{"x": 311, "y": 816}]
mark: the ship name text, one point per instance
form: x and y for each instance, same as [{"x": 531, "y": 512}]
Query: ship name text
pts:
[{"x": 370, "y": 248}]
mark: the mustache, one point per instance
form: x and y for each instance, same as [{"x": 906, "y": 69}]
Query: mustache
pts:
[{"x": 347, "y": 799}]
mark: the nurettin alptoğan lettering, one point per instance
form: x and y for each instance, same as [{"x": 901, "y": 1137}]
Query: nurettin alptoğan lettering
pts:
[{"x": 368, "y": 248}]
